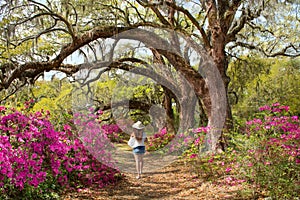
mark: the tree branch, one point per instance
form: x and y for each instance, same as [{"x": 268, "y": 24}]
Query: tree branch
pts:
[
  {"x": 281, "y": 52},
  {"x": 247, "y": 16},
  {"x": 194, "y": 22},
  {"x": 123, "y": 65}
]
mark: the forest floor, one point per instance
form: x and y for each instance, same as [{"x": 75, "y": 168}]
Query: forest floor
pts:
[{"x": 175, "y": 181}]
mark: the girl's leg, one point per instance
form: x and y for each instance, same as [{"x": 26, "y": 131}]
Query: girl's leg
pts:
[
  {"x": 136, "y": 157},
  {"x": 141, "y": 162}
]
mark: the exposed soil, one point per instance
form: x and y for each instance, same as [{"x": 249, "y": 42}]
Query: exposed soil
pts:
[{"x": 175, "y": 181}]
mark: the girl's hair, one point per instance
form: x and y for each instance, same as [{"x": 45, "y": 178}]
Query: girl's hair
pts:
[{"x": 138, "y": 135}]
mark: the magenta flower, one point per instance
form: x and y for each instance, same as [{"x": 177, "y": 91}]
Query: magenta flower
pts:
[
  {"x": 2, "y": 108},
  {"x": 197, "y": 141},
  {"x": 193, "y": 156},
  {"x": 276, "y": 104},
  {"x": 31, "y": 150},
  {"x": 163, "y": 131},
  {"x": 263, "y": 108},
  {"x": 267, "y": 127},
  {"x": 295, "y": 118},
  {"x": 286, "y": 108},
  {"x": 99, "y": 112},
  {"x": 67, "y": 127},
  {"x": 228, "y": 169}
]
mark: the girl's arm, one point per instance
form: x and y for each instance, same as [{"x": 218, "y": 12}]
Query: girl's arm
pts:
[{"x": 131, "y": 140}]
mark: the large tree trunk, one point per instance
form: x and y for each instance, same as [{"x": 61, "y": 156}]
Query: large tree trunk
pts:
[
  {"x": 219, "y": 98},
  {"x": 218, "y": 40},
  {"x": 167, "y": 102},
  {"x": 187, "y": 104}
]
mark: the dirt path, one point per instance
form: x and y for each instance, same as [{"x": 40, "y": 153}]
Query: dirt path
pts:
[
  {"x": 153, "y": 161},
  {"x": 171, "y": 182}
]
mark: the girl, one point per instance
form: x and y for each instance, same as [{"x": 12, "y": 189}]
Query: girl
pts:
[{"x": 136, "y": 141}]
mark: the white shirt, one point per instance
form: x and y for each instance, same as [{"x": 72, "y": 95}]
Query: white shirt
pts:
[{"x": 133, "y": 142}]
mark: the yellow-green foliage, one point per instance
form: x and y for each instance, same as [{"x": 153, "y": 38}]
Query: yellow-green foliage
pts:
[
  {"x": 55, "y": 96},
  {"x": 259, "y": 81}
]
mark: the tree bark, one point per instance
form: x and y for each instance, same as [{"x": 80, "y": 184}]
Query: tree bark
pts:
[
  {"x": 167, "y": 102},
  {"x": 218, "y": 28}
]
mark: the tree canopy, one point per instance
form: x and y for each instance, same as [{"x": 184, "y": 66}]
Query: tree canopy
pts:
[{"x": 40, "y": 36}]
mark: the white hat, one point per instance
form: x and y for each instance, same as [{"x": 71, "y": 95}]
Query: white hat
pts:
[{"x": 138, "y": 125}]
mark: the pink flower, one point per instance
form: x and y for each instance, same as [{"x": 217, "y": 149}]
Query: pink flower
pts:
[
  {"x": 276, "y": 110},
  {"x": 99, "y": 112},
  {"x": 164, "y": 131},
  {"x": 2, "y": 108},
  {"x": 241, "y": 181},
  {"x": 228, "y": 169},
  {"x": 229, "y": 180},
  {"x": 276, "y": 104},
  {"x": 67, "y": 127},
  {"x": 193, "y": 155},
  {"x": 286, "y": 108},
  {"x": 267, "y": 163},
  {"x": 263, "y": 108},
  {"x": 197, "y": 141},
  {"x": 295, "y": 118},
  {"x": 267, "y": 127}
]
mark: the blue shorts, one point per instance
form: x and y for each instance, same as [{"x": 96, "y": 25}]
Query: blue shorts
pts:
[{"x": 139, "y": 150}]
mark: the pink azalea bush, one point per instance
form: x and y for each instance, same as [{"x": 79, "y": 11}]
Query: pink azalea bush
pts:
[
  {"x": 35, "y": 159},
  {"x": 197, "y": 140},
  {"x": 113, "y": 132},
  {"x": 159, "y": 140},
  {"x": 272, "y": 161},
  {"x": 264, "y": 152}
]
